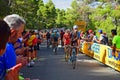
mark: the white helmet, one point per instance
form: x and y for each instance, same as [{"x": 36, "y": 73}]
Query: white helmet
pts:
[{"x": 75, "y": 26}]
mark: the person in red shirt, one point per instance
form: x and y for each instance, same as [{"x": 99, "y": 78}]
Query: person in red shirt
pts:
[{"x": 66, "y": 38}]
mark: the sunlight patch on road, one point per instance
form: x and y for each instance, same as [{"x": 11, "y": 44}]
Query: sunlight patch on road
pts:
[
  {"x": 84, "y": 60},
  {"x": 41, "y": 59}
]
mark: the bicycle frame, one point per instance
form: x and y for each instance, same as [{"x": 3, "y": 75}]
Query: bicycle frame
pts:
[
  {"x": 73, "y": 57},
  {"x": 48, "y": 43},
  {"x": 67, "y": 52},
  {"x": 55, "y": 45}
]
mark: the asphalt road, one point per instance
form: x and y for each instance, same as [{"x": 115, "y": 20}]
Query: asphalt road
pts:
[{"x": 49, "y": 66}]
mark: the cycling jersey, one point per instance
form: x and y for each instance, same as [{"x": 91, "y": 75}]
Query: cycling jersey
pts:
[
  {"x": 66, "y": 38},
  {"x": 55, "y": 37}
]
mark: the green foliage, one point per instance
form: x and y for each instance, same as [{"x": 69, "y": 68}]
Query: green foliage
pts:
[
  {"x": 4, "y": 8},
  {"x": 47, "y": 13},
  {"x": 106, "y": 18},
  {"x": 39, "y": 15}
]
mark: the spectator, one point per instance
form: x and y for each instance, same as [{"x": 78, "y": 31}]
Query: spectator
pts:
[
  {"x": 95, "y": 38},
  {"x": 115, "y": 41},
  {"x": 4, "y": 37},
  {"x": 103, "y": 38},
  {"x": 16, "y": 24},
  {"x": 90, "y": 35}
]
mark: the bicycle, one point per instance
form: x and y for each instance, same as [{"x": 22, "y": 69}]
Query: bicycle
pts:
[
  {"x": 48, "y": 43},
  {"x": 67, "y": 52},
  {"x": 55, "y": 45},
  {"x": 73, "y": 57}
]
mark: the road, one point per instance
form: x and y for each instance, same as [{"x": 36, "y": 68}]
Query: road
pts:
[{"x": 49, "y": 66}]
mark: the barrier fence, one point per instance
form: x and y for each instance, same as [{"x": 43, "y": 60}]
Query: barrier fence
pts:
[{"x": 102, "y": 53}]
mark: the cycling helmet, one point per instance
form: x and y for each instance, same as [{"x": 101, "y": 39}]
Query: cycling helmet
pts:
[
  {"x": 54, "y": 31},
  {"x": 75, "y": 26}
]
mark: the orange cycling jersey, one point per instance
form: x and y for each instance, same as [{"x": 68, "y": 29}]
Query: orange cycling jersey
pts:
[{"x": 66, "y": 38}]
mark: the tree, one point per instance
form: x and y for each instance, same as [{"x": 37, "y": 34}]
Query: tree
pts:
[
  {"x": 4, "y": 8},
  {"x": 27, "y": 9},
  {"x": 48, "y": 14}
]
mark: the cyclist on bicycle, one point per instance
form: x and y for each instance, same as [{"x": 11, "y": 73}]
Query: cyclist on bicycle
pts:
[
  {"x": 66, "y": 39},
  {"x": 75, "y": 38},
  {"x": 55, "y": 38},
  {"x": 48, "y": 38}
]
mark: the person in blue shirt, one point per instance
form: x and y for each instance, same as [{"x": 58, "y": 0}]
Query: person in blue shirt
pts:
[
  {"x": 9, "y": 58},
  {"x": 4, "y": 30}
]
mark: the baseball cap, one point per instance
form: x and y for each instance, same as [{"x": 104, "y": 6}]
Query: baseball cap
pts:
[
  {"x": 100, "y": 31},
  {"x": 90, "y": 31}
]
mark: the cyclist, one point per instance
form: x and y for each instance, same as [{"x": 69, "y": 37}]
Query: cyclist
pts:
[
  {"x": 75, "y": 36},
  {"x": 55, "y": 38},
  {"x": 66, "y": 39},
  {"x": 48, "y": 38},
  {"x": 61, "y": 37}
]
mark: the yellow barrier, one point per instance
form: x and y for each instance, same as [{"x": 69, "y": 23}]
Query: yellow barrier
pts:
[
  {"x": 113, "y": 61},
  {"x": 87, "y": 49},
  {"x": 99, "y": 52},
  {"x": 102, "y": 53},
  {"x": 81, "y": 46}
]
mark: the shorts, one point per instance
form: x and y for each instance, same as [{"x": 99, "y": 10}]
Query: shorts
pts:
[
  {"x": 35, "y": 47},
  {"x": 31, "y": 48},
  {"x": 74, "y": 43}
]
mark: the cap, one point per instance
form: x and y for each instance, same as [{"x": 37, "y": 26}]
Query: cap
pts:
[
  {"x": 90, "y": 31},
  {"x": 100, "y": 31}
]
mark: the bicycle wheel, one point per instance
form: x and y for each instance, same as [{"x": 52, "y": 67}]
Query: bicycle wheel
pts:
[
  {"x": 73, "y": 58},
  {"x": 66, "y": 56},
  {"x": 74, "y": 64},
  {"x": 48, "y": 43},
  {"x": 55, "y": 49}
]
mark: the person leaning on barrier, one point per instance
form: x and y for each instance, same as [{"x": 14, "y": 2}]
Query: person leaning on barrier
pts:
[
  {"x": 16, "y": 24},
  {"x": 115, "y": 41},
  {"x": 4, "y": 37},
  {"x": 103, "y": 38},
  {"x": 95, "y": 38}
]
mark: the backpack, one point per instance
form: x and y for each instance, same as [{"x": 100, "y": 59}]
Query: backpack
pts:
[{"x": 105, "y": 40}]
